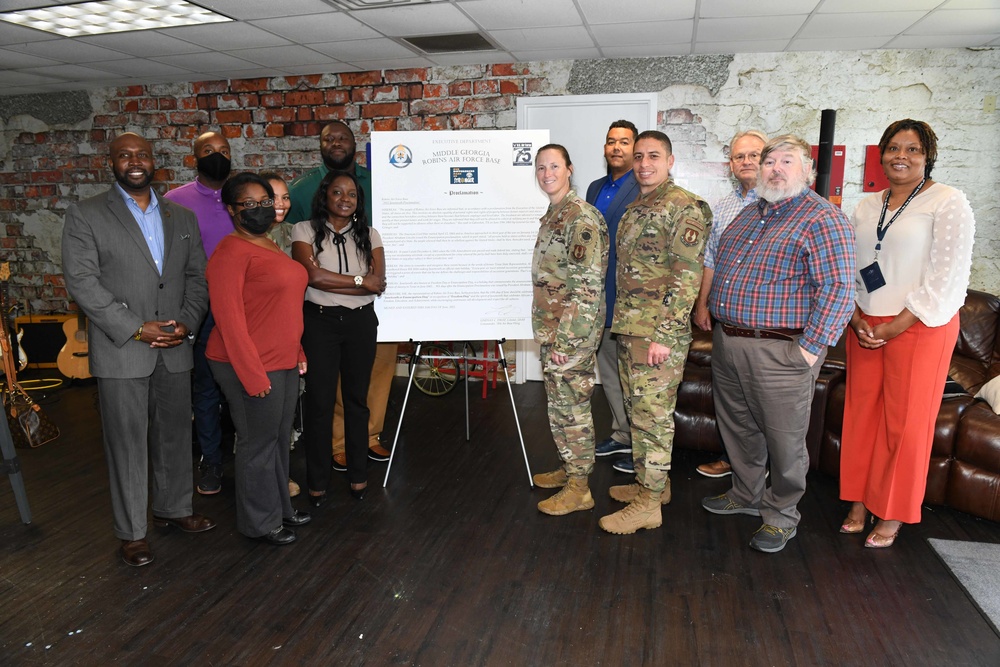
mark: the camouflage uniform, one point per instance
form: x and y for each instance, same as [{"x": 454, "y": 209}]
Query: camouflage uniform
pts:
[
  {"x": 661, "y": 243},
  {"x": 567, "y": 316}
]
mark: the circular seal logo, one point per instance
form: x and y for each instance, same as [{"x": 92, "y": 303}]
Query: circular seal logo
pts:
[{"x": 400, "y": 156}]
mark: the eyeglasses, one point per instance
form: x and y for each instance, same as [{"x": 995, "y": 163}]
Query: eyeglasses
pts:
[
  {"x": 250, "y": 203},
  {"x": 741, "y": 157}
]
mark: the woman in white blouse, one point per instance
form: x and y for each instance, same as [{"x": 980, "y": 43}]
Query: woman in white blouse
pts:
[{"x": 914, "y": 255}]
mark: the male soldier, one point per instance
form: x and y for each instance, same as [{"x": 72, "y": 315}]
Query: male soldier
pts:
[
  {"x": 610, "y": 195},
  {"x": 661, "y": 239},
  {"x": 744, "y": 161},
  {"x": 202, "y": 195},
  {"x": 337, "y": 147},
  {"x": 783, "y": 292},
  {"x": 136, "y": 266}
]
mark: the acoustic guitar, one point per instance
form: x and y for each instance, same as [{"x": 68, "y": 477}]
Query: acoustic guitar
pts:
[
  {"x": 73, "y": 360},
  {"x": 22, "y": 356}
]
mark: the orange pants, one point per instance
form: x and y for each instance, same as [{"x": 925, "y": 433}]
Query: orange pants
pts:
[
  {"x": 383, "y": 370},
  {"x": 893, "y": 399}
]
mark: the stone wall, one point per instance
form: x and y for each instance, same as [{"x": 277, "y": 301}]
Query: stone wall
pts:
[{"x": 53, "y": 147}]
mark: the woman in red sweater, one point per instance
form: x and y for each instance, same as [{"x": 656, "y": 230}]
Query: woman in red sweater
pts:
[{"x": 254, "y": 351}]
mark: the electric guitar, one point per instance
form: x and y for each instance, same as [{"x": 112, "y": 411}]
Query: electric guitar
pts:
[
  {"x": 22, "y": 356},
  {"x": 73, "y": 360}
]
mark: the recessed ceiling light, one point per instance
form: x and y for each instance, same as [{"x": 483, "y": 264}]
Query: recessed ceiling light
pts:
[{"x": 98, "y": 18}]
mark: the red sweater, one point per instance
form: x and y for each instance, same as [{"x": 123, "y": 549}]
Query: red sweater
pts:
[{"x": 256, "y": 297}]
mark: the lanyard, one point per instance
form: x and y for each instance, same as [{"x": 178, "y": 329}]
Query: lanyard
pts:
[{"x": 883, "y": 226}]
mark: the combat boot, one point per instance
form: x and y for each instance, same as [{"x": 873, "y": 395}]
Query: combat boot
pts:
[
  {"x": 573, "y": 497},
  {"x": 626, "y": 493},
  {"x": 642, "y": 512},
  {"x": 550, "y": 480}
]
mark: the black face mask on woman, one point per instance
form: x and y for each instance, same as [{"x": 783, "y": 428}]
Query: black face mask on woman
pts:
[
  {"x": 257, "y": 220},
  {"x": 215, "y": 165}
]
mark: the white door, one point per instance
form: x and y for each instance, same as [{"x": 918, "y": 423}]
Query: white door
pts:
[{"x": 580, "y": 123}]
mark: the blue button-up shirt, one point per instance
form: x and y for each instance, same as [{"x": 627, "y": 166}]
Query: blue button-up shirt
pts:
[{"x": 150, "y": 223}]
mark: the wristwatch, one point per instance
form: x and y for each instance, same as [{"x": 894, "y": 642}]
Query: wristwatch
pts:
[{"x": 358, "y": 280}]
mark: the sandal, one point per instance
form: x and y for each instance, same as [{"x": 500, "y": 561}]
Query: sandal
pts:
[
  {"x": 853, "y": 526},
  {"x": 876, "y": 540}
]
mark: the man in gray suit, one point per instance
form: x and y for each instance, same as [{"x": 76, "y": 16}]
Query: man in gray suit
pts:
[
  {"x": 610, "y": 195},
  {"x": 135, "y": 265}
]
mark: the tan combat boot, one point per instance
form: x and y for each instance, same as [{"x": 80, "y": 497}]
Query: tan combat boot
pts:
[
  {"x": 573, "y": 497},
  {"x": 626, "y": 493},
  {"x": 642, "y": 512},
  {"x": 550, "y": 480}
]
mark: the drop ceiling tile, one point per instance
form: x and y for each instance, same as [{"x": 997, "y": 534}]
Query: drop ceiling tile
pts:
[
  {"x": 865, "y": 24},
  {"x": 524, "y": 39},
  {"x": 392, "y": 63},
  {"x": 941, "y": 41},
  {"x": 16, "y": 34},
  {"x": 866, "y": 6},
  {"x": 143, "y": 43},
  {"x": 494, "y": 15},
  {"x": 325, "y": 27},
  {"x": 364, "y": 49},
  {"x": 205, "y": 62},
  {"x": 478, "y": 58},
  {"x": 281, "y": 56},
  {"x": 557, "y": 54},
  {"x": 746, "y": 29},
  {"x": 329, "y": 68},
  {"x": 859, "y": 43},
  {"x": 140, "y": 67},
  {"x": 636, "y": 11},
  {"x": 68, "y": 72},
  {"x": 246, "y": 10},
  {"x": 972, "y": 4},
  {"x": 12, "y": 78},
  {"x": 742, "y": 46},
  {"x": 14, "y": 60},
  {"x": 225, "y": 36},
  {"x": 67, "y": 50},
  {"x": 958, "y": 22},
  {"x": 740, "y": 8},
  {"x": 426, "y": 19},
  {"x": 653, "y": 32},
  {"x": 647, "y": 50},
  {"x": 253, "y": 73}
]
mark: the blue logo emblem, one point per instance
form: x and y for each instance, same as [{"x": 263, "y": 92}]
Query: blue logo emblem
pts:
[
  {"x": 400, "y": 156},
  {"x": 464, "y": 175}
]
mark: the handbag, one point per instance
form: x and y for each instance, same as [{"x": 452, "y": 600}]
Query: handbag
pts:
[{"x": 29, "y": 426}]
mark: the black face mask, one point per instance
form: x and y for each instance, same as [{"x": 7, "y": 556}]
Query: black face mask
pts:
[
  {"x": 257, "y": 220},
  {"x": 215, "y": 166}
]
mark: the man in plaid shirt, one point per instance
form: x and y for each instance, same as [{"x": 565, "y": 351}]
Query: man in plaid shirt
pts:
[{"x": 782, "y": 292}]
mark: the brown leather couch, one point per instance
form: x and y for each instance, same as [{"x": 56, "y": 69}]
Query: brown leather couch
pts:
[{"x": 965, "y": 461}]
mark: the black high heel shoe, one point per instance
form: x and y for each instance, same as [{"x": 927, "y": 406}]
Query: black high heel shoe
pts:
[
  {"x": 316, "y": 501},
  {"x": 359, "y": 494}
]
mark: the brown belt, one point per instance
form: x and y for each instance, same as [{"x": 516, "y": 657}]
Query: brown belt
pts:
[{"x": 776, "y": 334}]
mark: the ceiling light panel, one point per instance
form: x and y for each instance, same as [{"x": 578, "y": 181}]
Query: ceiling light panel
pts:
[{"x": 98, "y": 18}]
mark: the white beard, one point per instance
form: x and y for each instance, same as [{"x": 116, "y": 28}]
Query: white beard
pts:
[{"x": 776, "y": 194}]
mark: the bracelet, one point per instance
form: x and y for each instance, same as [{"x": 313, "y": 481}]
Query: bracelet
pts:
[{"x": 138, "y": 334}]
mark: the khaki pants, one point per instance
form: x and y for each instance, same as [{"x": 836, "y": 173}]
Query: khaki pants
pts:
[{"x": 383, "y": 370}]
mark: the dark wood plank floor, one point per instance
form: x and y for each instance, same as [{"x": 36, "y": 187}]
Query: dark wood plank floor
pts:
[{"x": 452, "y": 564}]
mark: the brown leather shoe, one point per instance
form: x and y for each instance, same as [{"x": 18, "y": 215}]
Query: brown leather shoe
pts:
[
  {"x": 196, "y": 523},
  {"x": 136, "y": 552}
]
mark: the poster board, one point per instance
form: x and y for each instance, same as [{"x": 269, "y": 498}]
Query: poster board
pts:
[{"x": 458, "y": 214}]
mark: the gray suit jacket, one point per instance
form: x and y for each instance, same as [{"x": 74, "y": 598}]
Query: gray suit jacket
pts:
[{"x": 110, "y": 273}]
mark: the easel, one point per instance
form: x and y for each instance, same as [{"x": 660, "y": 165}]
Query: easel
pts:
[{"x": 502, "y": 360}]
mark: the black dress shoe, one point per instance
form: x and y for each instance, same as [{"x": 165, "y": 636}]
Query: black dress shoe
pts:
[
  {"x": 278, "y": 537},
  {"x": 136, "y": 552},
  {"x": 316, "y": 501},
  {"x": 359, "y": 494},
  {"x": 297, "y": 519}
]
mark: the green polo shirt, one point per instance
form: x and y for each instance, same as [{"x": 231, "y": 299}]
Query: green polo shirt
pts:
[{"x": 303, "y": 189}]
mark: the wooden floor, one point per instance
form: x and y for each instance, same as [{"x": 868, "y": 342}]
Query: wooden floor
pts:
[{"x": 452, "y": 564}]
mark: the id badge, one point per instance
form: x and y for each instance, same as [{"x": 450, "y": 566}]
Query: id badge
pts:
[{"x": 872, "y": 277}]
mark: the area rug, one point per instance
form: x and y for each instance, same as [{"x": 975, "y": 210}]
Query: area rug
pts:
[{"x": 976, "y": 566}]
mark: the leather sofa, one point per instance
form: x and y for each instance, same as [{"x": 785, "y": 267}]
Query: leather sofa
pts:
[{"x": 965, "y": 461}]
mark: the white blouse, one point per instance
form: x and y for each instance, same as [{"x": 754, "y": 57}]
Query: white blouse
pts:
[
  {"x": 303, "y": 232},
  {"x": 926, "y": 255}
]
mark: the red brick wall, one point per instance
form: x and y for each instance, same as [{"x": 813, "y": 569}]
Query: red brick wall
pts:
[{"x": 271, "y": 123}]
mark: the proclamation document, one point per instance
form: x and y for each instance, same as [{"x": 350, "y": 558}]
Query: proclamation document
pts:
[{"x": 458, "y": 213}]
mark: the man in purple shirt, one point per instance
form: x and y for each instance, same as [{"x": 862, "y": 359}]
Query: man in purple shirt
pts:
[
  {"x": 783, "y": 291},
  {"x": 202, "y": 195}
]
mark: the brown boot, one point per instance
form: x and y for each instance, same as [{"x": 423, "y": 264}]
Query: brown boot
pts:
[
  {"x": 573, "y": 497},
  {"x": 550, "y": 480},
  {"x": 626, "y": 493},
  {"x": 642, "y": 512}
]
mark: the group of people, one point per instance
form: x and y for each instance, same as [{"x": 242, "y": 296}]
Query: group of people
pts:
[
  {"x": 777, "y": 275},
  {"x": 199, "y": 279}
]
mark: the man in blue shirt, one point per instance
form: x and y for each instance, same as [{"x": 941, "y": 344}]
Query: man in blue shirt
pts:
[{"x": 610, "y": 195}]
